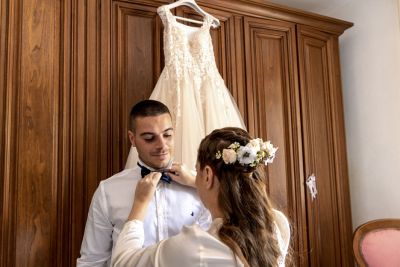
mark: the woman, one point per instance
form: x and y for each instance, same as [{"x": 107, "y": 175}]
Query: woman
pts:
[{"x": 245, "y": 230}]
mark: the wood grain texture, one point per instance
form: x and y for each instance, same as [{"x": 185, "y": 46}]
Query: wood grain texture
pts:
[
  {"x": 136, "y": 55},
  {"x": 33, "y": 171},
  {"x": 268, "y": 74},
  {"x": 56, "y": 125},
  {"x": 7, "y": 154},
  {"x": 88, "y": 118},
  {"x": 324, "y": 223},
  {"x": 272, "y": 100}
]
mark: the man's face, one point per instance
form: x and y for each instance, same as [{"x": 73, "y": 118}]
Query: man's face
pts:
[{"x": 154, "y": 140}]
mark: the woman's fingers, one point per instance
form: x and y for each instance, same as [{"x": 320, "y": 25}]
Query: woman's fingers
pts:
[
  {"x": 143, "y": 194},
  {"x": 180, "y": 174},
  {"x": 146, "y": 186},
  {"x": 155, "y": 178}
]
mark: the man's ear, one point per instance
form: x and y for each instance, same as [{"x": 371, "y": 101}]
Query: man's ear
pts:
[
  {"x": 209, "y": 179},
  {"x": 131, "y": 136}
]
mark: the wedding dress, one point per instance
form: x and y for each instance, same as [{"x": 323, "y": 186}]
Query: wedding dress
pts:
[{"x": 192, "y": 88}]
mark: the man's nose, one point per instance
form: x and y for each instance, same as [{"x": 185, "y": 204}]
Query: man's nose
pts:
[{"x": 161, "y": 142}]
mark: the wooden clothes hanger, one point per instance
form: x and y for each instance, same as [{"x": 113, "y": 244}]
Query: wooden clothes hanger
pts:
[{"x": 193, "y": 4}]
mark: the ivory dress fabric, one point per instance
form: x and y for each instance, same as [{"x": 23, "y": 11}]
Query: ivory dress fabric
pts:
[{"x": 192, "y": 88}]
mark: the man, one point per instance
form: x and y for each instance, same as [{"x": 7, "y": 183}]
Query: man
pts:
[{"x": 175, "y": 202}]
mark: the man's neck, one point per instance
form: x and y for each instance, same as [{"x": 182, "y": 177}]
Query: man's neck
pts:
[{"x": 155, "y": 169}]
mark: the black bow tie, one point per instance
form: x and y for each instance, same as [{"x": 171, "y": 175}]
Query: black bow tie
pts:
[{"x": 145, "y": 171}]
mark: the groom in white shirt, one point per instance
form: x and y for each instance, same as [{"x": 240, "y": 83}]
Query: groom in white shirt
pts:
[{"x": 174, "y": 204}]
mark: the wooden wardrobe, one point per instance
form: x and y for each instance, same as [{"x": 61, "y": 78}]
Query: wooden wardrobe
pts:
[{"x": 70, "y": 70}]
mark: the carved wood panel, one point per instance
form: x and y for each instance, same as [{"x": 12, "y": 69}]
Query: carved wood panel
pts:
[
  {"x": 30, "y": 182},
  {"x": 137, "y": 54},
  {"x": 271, "y": 85},
  {"x": 272, "y": 100},
  {"x": 5, "y": 225},
  {"x": 55, "y": 126},
  {"x": 316, "y": 74},
  {"x": 86, "y": 108}
]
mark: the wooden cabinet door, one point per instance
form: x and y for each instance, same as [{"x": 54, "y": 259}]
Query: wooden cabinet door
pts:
[
  {"x": 327, "y": 225},
  {"x": 137, "y": 61},
  {"x": 272, "y": 108}
]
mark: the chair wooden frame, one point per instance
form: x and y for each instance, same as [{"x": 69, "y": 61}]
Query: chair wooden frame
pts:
[{"x": 363, "y": 229}]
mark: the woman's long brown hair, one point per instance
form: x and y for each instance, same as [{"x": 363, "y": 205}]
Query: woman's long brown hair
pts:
[{"x": 248, "y": 227}]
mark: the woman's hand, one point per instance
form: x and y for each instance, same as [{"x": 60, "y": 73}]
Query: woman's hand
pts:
[
  {"x": 143, "y": 194},
  {"x": 181, "y": 175}
]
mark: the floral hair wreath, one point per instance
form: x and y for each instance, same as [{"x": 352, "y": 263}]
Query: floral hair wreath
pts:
[{"x": 251, "y": 154}]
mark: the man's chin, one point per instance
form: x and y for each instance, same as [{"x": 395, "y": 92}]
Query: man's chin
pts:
[{"x": 161, "y": 164}]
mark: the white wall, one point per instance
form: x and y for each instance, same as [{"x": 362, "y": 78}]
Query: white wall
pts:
[{"x": 370, "y": 64}]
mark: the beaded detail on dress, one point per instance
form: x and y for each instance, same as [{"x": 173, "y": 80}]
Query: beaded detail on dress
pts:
[{"x": 187, "y": 49}]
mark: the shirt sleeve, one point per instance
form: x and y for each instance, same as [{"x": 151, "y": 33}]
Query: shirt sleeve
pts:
[
  {"x": 191, "y": 247},
  {"x": 128, "y": 249},
  {"x": 97, "y": 240}
]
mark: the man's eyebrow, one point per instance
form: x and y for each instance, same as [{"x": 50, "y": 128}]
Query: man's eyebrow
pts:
[{"x": 150, "y": 133}]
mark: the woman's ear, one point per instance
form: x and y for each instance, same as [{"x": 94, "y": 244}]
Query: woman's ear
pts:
[{"x": 209, "y": 179}]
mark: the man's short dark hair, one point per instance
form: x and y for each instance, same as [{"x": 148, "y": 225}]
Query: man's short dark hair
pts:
[{"x": 146, "y": 108}]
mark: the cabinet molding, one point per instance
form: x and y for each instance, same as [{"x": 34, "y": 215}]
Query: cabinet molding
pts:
[{"x": 317, "y": 72}]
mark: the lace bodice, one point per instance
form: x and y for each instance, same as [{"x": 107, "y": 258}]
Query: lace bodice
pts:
[{"x": 187, "y": 48}]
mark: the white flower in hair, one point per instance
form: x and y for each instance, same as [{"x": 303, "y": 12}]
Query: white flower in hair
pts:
[
  {"x": 247, "y": 154},
  {"x": 268, "y": 160},
  {"x": 268, "y": 147},
  {"x": 270, "y": 150},
  {"x": 253, "y": 153},
  {"x": 229, "y": 156},
  {"x": 255, "y": 143}
]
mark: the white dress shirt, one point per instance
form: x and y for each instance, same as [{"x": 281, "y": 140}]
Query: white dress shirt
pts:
[
  {"x": 192, "y": 247},
  {"x": 172, "y": 207}
]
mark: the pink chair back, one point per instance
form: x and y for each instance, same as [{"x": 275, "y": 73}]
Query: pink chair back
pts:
[{"x": 377, "y": 243}]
